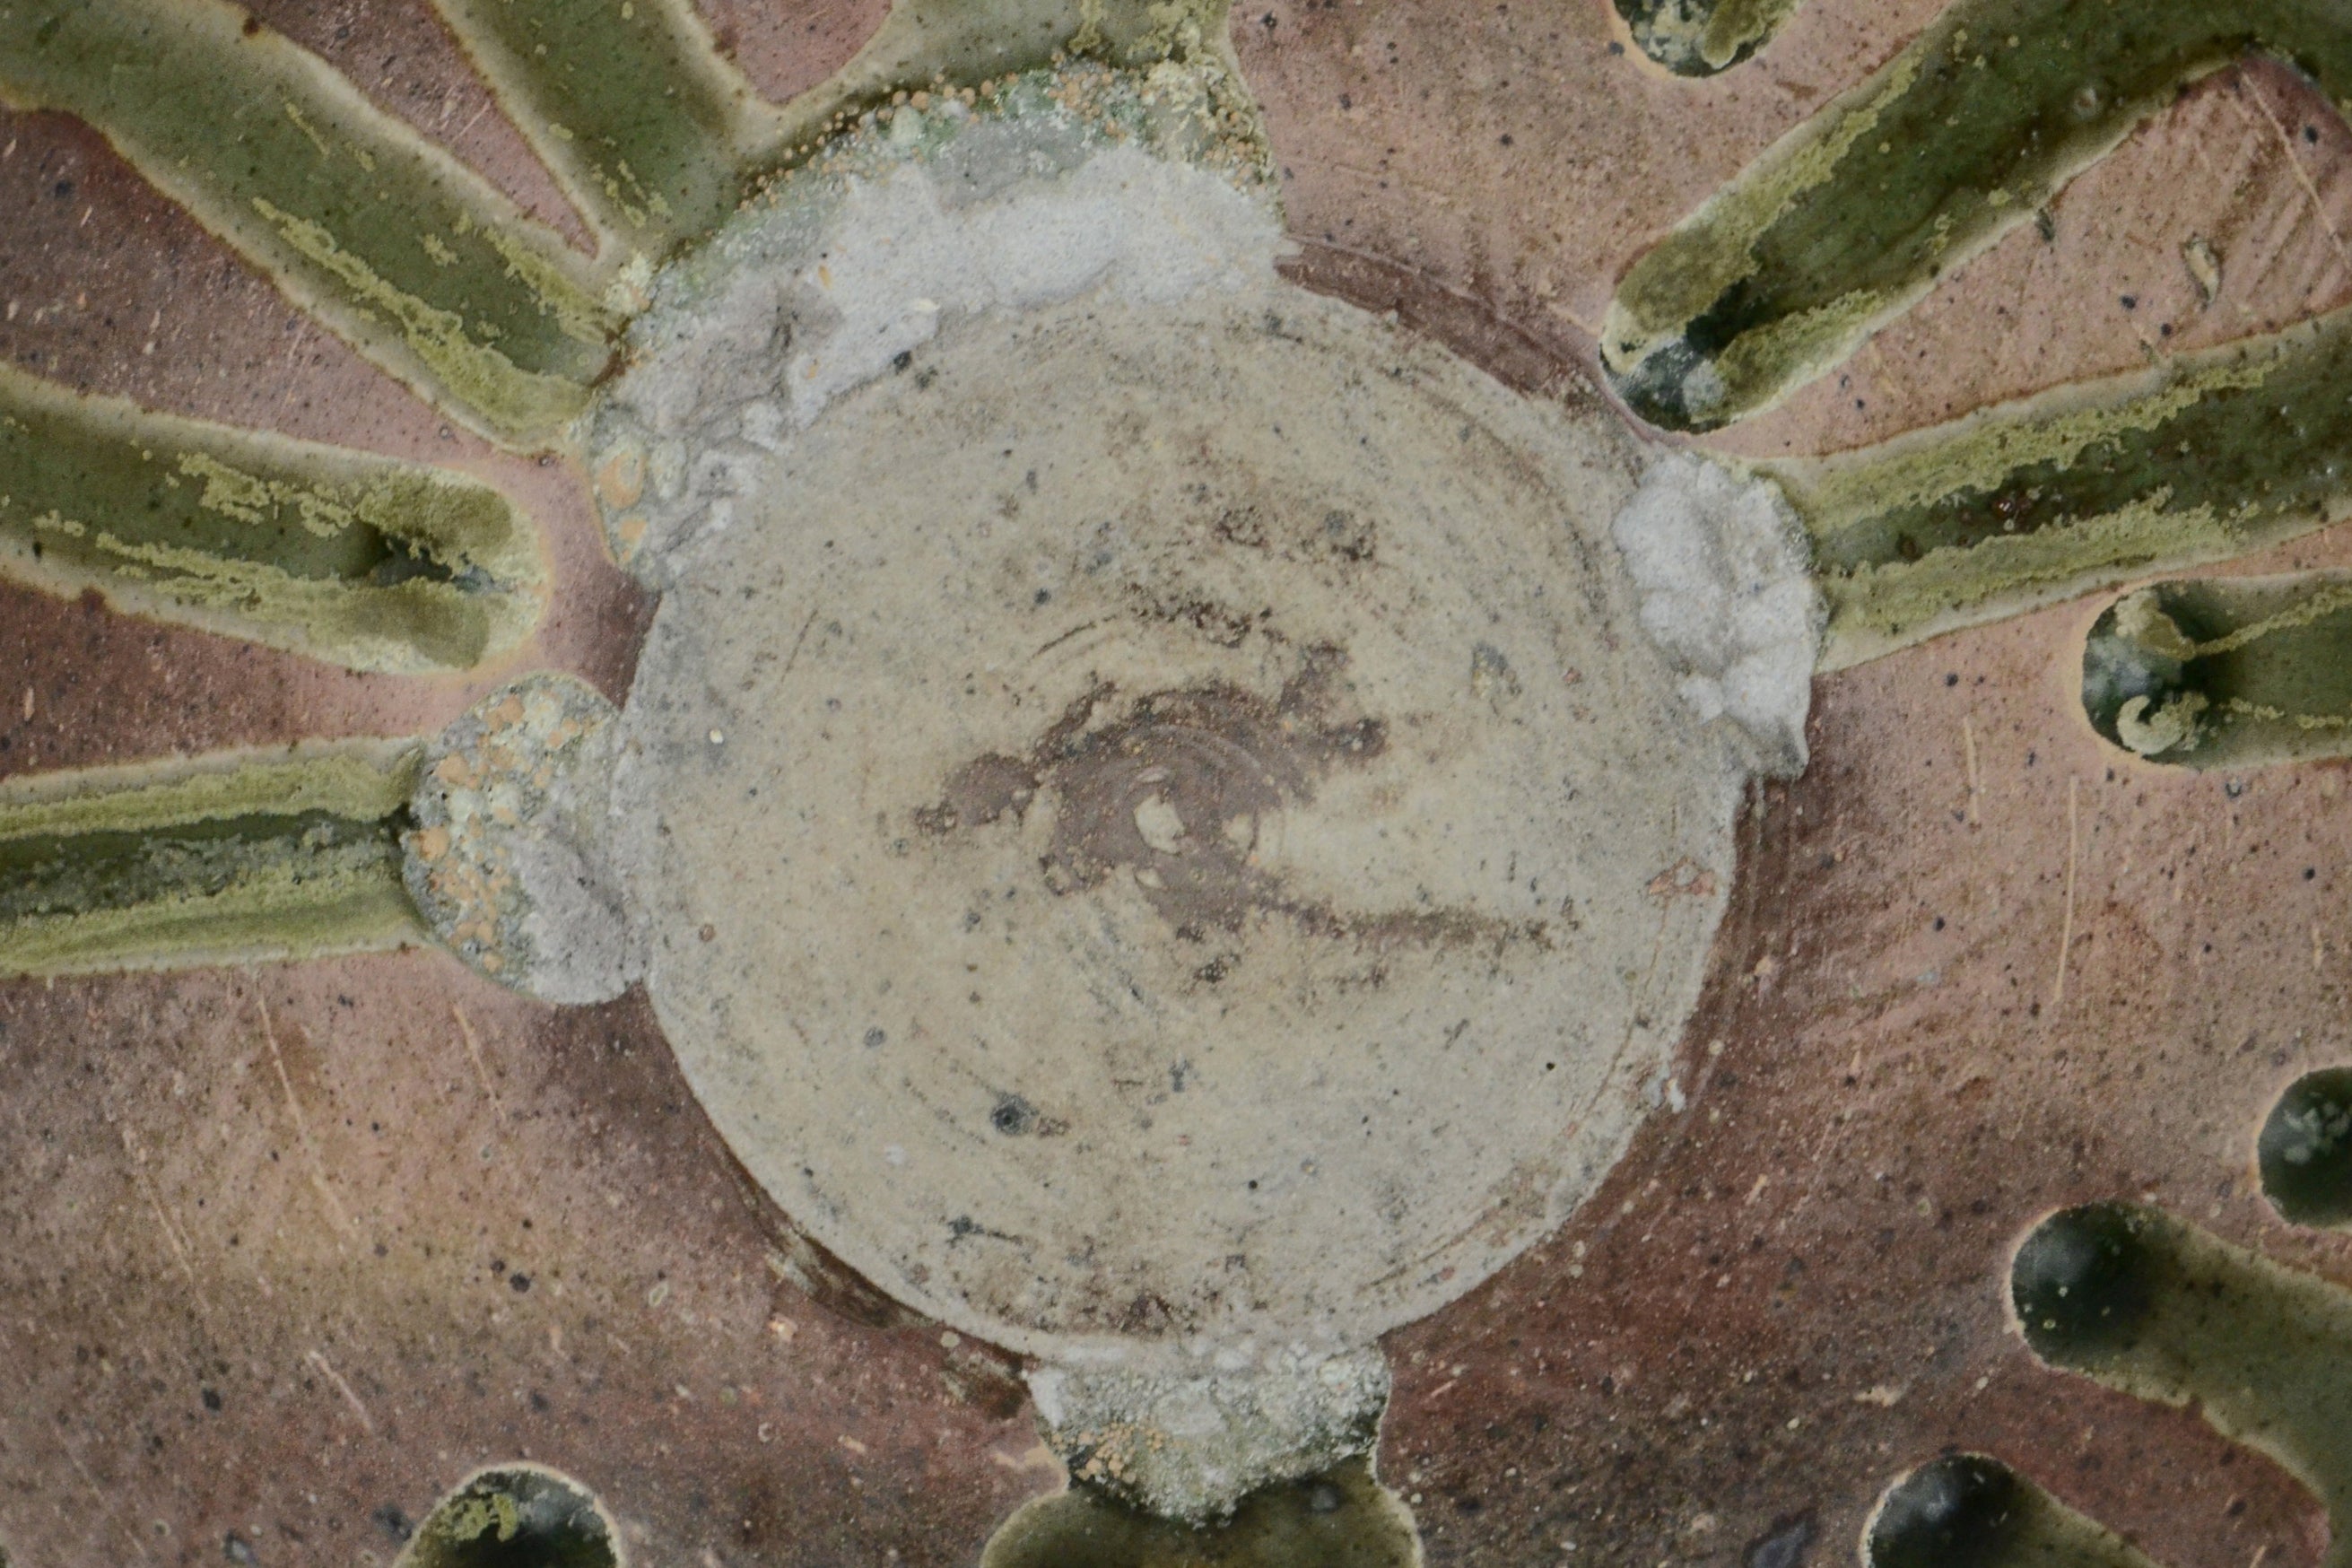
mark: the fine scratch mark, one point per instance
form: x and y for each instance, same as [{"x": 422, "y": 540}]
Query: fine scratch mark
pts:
[
  {"x": 2302, "y": 175},
  {"x": 1834, "y": 1132},
  {"x": 301, "y": 329},
  {"x": 2197, "y": 148},
  {"x": 474, "y": 120},
  {"x": 162, "y": 1217},
  {"x": 481, "y": 1070},
  {"x": 109, "y": 1503},
  {"x": 2066, "y": 930},
  {"x": 301, "y": 1122},
  {"x": 318, "y": 1359},
  {"x": 1066, "y": 636},
  {"x": 794, "y": 657},
  {"x": 1975, "y": 781}
]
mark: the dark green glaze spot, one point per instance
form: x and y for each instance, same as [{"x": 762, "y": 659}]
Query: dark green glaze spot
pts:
[
  {"x": 1700, "y": 38},
  {"x": 514, "y": 1519},
  {"x": 2083, "y": 1283},
  {"x": 1959, "y": 1511},
  {"x": 2305, "y": 1149},
  {"x": 1969, "y": 1510},
  {"x": 2138, "y": 1300}
]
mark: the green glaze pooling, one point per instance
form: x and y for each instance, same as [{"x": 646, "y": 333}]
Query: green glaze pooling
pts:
[
  {"x": 417, "y": 261},
  {"x": 215, "y": 860},
  {"x": 371, "y": 562},
  {"x": 1970, "y": 1511},
  {"x": 2226, "y": 672},
  {"x": 2143, "y": 1302},
  {"x": 2205, "y": 457},
  {"x": 2304, "y": 1153},
  {"x": 628, "y": 101},
  {"x": 1700, "y": 38},
  {"x": 519, "y": 1516},
  {"x": 1343, "y": 1519},
  {"x": 1849, "y": 220}
]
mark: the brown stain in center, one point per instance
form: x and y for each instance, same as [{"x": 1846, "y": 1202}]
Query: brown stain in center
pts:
[{"x": 1177, "y": 792}]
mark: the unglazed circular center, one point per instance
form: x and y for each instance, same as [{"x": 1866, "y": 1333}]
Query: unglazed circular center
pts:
[{"x": 1157, "y": 820}]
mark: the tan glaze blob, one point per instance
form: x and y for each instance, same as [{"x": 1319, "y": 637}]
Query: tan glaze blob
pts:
[{"x": 500, "y": 851}]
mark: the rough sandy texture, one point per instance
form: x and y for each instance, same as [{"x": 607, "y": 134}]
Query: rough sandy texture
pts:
[
  {"x": 1721, "y": 565},
  {"x": 1186, "y": 1444},
  {"x": 505, "y": 858}
]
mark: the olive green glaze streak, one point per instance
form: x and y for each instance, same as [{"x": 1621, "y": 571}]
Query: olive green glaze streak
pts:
[
  {"x": 1700, "y": 38},
  {"x": 2143, "y": 1302},
  {"x": 371, "y": 562},
  {"x": 420, "y": 263},
  {"x": 2230, "y": 672},
  {"x": 1967, "y": 1510},
  {"x": 1343, "y": 1519},
  {"x": 211, "y": 861},
  {"x": 1850, "y": 219},
  {"x": 630, "y": 103},
  {"x": 2203, "y": 457}
]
